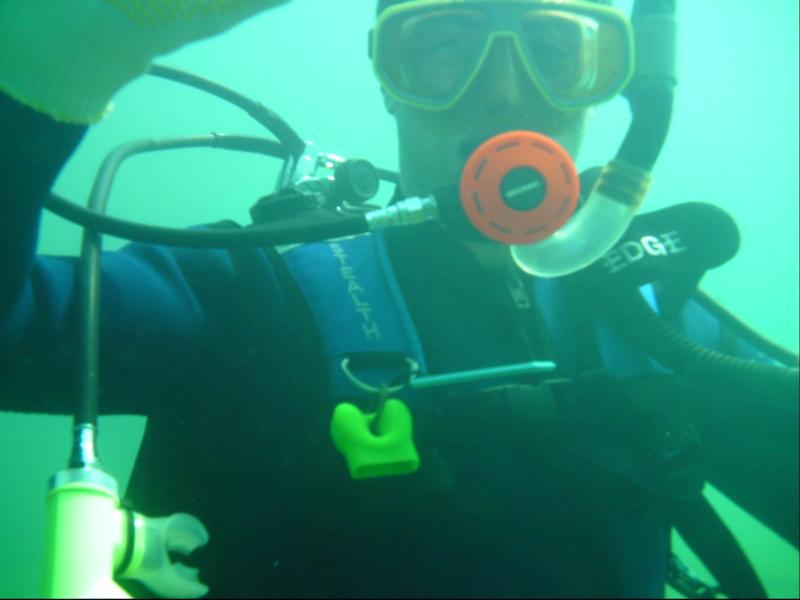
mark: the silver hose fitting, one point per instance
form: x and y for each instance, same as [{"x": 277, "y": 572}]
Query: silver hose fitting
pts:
[{"x": 411, "y": 211}]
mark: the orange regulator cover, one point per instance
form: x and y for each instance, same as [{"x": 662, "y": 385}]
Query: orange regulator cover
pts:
[{"x": 519, "y": 187}]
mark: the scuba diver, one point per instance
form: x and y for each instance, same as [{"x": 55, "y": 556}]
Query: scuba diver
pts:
[{"x": 271, "y": 378}]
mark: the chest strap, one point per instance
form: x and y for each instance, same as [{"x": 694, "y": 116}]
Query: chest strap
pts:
[{"x": 353, "y": 293}]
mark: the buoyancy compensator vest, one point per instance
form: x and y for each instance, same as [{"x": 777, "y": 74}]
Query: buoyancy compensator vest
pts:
[{"x": 358, "y": 305}]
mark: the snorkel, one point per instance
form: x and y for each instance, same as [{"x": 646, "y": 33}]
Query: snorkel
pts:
[{"x": 623, "y": 183}]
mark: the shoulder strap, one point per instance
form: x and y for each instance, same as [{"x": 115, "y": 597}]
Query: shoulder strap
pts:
[
  {"x": 357, "y": 306},
  {"x": 615, "y": 355}
]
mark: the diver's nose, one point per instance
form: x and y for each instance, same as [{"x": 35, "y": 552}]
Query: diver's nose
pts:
[{"x": 503, "y": 83}]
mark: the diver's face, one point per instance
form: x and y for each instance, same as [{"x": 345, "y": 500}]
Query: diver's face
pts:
[{"x": 435, "y": 145}]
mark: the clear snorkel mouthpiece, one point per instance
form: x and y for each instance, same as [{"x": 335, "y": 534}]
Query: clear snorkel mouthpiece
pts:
[
  {"x": 521, "y": 188},
  {"x": 594, "y": 230}
]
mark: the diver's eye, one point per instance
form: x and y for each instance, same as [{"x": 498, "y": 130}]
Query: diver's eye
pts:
[
  {"x": 551, "y": 58},
  {"x": 444, "y": 36},
  {"x": 439, "y": 65},
  {"x": 441, "y": 56},
  {"x": 443, "y": 49}
]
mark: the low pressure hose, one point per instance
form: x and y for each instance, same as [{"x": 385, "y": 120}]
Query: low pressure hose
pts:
[{"x": 736, "y": 376}]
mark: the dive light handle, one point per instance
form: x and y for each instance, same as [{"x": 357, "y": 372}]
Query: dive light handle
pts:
[
  {"x": 89, "y": 537},
  {"x": 82, "y": 535}
]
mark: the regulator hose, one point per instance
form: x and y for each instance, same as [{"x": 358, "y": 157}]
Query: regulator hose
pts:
[{"x": 637, "y": 322}]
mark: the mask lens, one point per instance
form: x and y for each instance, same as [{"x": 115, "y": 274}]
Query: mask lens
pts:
[
  {"x": 577, "y": 59},
  {"x": 577, "y": 56},
  {"x": 430, "y": 55}
]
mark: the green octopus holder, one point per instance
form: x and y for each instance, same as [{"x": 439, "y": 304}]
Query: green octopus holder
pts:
[
  {"x": 375, "y": 444},
  {"x": 380, "y": 443}
]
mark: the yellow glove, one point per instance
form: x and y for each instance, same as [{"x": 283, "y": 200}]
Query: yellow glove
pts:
[{"x": 67, "y": 58}]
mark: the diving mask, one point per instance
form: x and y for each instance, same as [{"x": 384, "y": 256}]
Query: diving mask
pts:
[{"x": 428, "y": 53}]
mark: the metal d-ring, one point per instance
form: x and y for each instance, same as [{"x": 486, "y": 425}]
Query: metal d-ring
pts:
[{"x": 383, "y": 390}]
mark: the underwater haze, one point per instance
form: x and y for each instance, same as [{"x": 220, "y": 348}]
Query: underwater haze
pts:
[{"x": 733, "y": 142}]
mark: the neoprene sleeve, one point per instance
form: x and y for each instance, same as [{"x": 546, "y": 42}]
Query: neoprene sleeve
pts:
[{"x": 182, "y": 308}]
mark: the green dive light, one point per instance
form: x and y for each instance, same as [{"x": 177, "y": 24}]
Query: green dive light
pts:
[
  {"x": 81, "y": 533},
  {"x": 90, "y": 541}
]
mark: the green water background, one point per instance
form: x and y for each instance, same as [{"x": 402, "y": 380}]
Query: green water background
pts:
[{"x": 734, "y": 142}]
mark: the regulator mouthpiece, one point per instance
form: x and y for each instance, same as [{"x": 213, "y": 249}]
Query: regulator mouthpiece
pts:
[{"x": 521, "y": 188}]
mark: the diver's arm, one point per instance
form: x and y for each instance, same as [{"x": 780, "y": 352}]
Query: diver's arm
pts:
[
  {"x": 750, "y": 453},
  {"x": 171, "y": 319},
  {"x": 751, "y": 441},
  {"x": 33, "y": 149},
  {"x": 61, "y": 63},
  {"x": 145, "y": 291}
]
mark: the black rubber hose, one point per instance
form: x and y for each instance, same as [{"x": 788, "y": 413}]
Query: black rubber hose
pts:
[
  {"x": 673, "y": 349},
  {"x": 650, "y": 93},
  {"x": 276, "y": 235},
  {"x": 287, "y": 136},
  {"x": 652, "y": 113}
]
